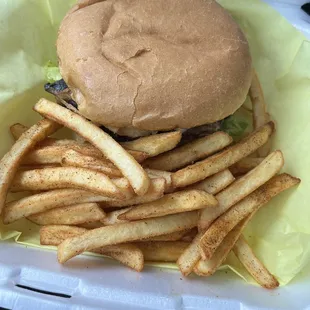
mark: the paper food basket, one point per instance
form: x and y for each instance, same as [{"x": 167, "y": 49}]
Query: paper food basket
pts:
[{"x": 31, "y": 278}]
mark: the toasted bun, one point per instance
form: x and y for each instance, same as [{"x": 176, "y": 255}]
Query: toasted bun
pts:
[{"x": 154, "y": 65}]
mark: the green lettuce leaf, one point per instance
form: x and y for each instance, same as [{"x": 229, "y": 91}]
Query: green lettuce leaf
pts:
[
  {"x": 51, "y": 72},
  {"x": 235, "y": 126}
]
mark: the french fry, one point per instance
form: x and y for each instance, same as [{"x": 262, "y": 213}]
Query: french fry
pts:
[
  {"x": 227, "y": 198},
  {"x": 162, "y": 251},
  {"x": 218, "y": 230},
  {"x": 242, "y": 187},
  {"x": 71, "y": 215},
  {"x": 253, "y": 265},
  {"x": 155, "y": 192},
  {"x": 214, "y": 183},
  {"x": 190, "y": 235},
  {"x": 127, "y": 254},
  {"x": 245, "y": 165},
  {"x": 11, "y": 161},
  {"x": 66, "y": 177},
  {"x": 260, "y": 115},
  {"x": 91, "y": 225},
  {"x": 188, "y": 153},
  {"x": 52, "y": 153},
  {"x": 208, "y": 267},
  {"x": 17, "y": 130},
  {"x": 110, "y": 148},
  {"x": 161, "y": 174},
  {"x": 127, "y": 232},
  {"x": 178, "y": 202},
  {"x": 190, "y": 256},
  {"x": 175, "y": 236},
  {"x": 221, "y": 161},
  {"x": 112, "y": 217},
  {"x": 155, "y": 144},
  {"x": 72, "y": 158},
  {"x": 48, "y": 155},
  {"x": 41, "y": 202}
]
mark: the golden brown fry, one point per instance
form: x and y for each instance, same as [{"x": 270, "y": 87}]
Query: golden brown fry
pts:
[
  {"x": 112, "y": 217},
  {"x": 64, "y": 197},
  {"x": 51, "y": 152},
  {"x": 190, "y": 256},
  {"x": 155, "y": 192},
  {"x": 245, "y": 165},
  {"x": 218, "y": 162},
  {"x": 66, "y": 177},
  {"x": 71, "y": 215},
  {"x": 91, "y": 225},
  {"x": 214, "y": 183},
  {"x": 242, "y": 187},
  {"x": 178, "y": 202},
  {"x": 48, "y": 155},
  {"x": 110, "y": 148},
  {"x": 253, "y": 265},
  {"x": 175, "y": 236},
  {"x": 127, "y": 254},
  {"x": 10, "y": 162},
  {"x": 17, "y": 130},
  {"x": 161, "y": 174},
  {"x": 162, "y": 251},
  {"x": 155, "y": 144},
  {"x": 126, "y": 232},
  {"x": 260, "y": 115},
  {"x": 208, "y": 267},
  {"x": 42, "y": 202},
  {"x": 226, "y": 222},
  {"x": 188, "y": 153},
  {"x": 72, "y": 158}
]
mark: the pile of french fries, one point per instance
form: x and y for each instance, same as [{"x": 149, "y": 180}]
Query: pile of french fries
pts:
[{"x": 145, "y": 200}]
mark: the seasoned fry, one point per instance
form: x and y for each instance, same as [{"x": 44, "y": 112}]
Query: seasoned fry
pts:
[
  {"x": 155, "y": 192},
  {"x": 245, "y": 165},
  {"x": 190, "y": 256},
  {"x": 42, "y": 202},
  {"x": 229, "y": 196},
  {"x": 91, "y": 225},
  {"x": 208, "y": 267},
  {"x": 175, "y": 236},
  {"x": 270, "y": 166},
  {"x": 155, "y": 144},
  {"x": 51, "y": 152},
  {"x": 71, "y": 215},
  {"x": 215, "y": 183},
  {"x": 72, "y": 158},
  {"x": 260, "y": 115},
  {"x": 87, "y": 149},
  {"x": 258, "y": 102},
  {"x": 64, "y": 197},
  {"x": 226, "y": 222},
  {"x": 161, "y": 174},
  {"x": 178, "y": 202},
  {"x": 218, "y": 162},
  {"x": 162, "y": 251},
  {"x": 17, "y": 130},
  {"x": 112, "y": 217},
  {"x": 10, "y": 162},
  {"x": 110, "y": 148},
  {"x": 126, "y": 232},
  {"x": 127, "y": 254},
  {"x": 253, "y": 265},
  {"x": 188, "y": 153},
  {"x": 66, "y": 177}
]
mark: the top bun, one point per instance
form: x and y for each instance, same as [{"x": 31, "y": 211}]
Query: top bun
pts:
[{"x": 154, "y": 65}]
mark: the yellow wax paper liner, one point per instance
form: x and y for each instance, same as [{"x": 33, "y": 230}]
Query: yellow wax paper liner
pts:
[{"x": 280, "y": 232}]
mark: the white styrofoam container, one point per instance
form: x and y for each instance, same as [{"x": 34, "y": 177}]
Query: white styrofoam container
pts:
[{"x": 90, "y": 283}]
